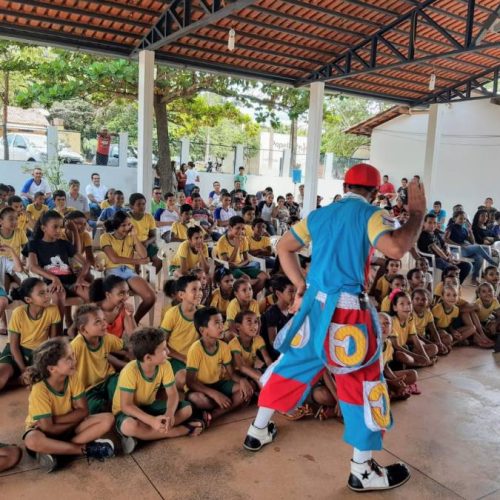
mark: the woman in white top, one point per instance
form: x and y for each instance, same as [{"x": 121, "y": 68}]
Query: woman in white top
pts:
[
  {"x": 167, "y": 217},
  {"x": 192, "y": 178}
]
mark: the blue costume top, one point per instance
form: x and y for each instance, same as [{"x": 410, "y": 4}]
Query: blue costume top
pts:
[{"x": 342, "y": 236}]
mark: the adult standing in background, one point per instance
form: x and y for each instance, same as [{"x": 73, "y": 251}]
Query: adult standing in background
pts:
[
  {"x": 192, "y": 177},
  {"x": 104, "y": 139},
  {"x": 34, "y": 185},
  {"x": 387, "y": 188},
  {"x": 96, "y": 193},
  {"x": 181, "y": 177}
]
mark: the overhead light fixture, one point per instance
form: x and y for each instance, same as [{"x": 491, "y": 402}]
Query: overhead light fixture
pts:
[
  {"x": 231, "y": 40},
  {"x": 432, "y": 81}
]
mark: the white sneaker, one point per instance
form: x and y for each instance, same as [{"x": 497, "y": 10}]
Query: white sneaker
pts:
[
  {"x": 257, "y": 438},
  {"x": 369, "y": 476},
  {"x": 128, "y": 444}
]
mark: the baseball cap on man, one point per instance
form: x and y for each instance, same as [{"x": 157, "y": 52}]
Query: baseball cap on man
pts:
[{"x": 363, "y": 174}]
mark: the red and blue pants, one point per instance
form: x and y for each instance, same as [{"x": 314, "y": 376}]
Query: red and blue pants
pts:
[{"x": 350, "y": 341}]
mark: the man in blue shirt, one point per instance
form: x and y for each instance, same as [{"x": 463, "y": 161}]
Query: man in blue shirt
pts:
[{"x": 440, "y": 215}]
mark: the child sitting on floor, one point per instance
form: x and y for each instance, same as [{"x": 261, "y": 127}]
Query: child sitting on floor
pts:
[
  {"x": 179, "y": 327},
  {"x": 206, "y": 286},
  {"x": 447, "y": 317},
  {"x": 247, "y": 346},
  {"x": 416, "y": 279},
  {"x": 424, "y": 322},
  {"x": 401, "y": 383},
  {"x": 191, "y": 253},
  {"x": 8, "y": 266},
  {"x": 397, "y": 282},
  {"x": 139, "y": 413},
  {"x": 423, "y": 264},
  {"x": 243, "y": 301},
  {"x": 214, "y": 386},
  {"x": 383, "y": 284},
  {"x": 278, "y": 315},
  {"x": 58, "y": 421},
  {"x": 489, "y": 309},
  {"x": 93, "y": 347},
  {"x": 409, "y": 349},
  {"x": 222, "y": 296},
  {"x": 111, "y": 295},
  {"x": 30, "y": 325},
  {"x": 492, "y": 276}
]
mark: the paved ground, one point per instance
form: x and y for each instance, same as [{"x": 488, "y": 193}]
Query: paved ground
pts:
[{"x": 449, "y": 436}]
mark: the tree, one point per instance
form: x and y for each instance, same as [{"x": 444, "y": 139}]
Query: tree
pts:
[{"x": 15, "y": 59}]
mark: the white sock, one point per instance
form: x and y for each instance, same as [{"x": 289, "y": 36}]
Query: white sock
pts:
[
  {"x": 263, "y": 417},
  {"x": 359, "y": 456}
]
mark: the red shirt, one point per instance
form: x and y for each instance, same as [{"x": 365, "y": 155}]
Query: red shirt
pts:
[
  {"x": 103, "y": 143},
  {"x": 387, "y": 188}
]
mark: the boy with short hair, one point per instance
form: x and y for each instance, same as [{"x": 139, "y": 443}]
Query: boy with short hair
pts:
[
  {"x": 16, "y": 202},
  {"x": 191, "y": 254},
  {"x": 138, "y": 412},
  {"x": 259, "y": 243},
  {"x": 59, "y": 197},
  {"x": 36, "y": 209},
  {"x": 223, "y": 213},
  {"x": 145, "y": 226},
  {"x": 165, "y": 217},
  {"x": 179, "y": 327},
  {"x": 92, "y": 347},
  {"x": 248, "y": 214},
  {"x": 233, "y": 248},
  {"x": 180, "y": 228},
  {"x": 213, "y": 384}
]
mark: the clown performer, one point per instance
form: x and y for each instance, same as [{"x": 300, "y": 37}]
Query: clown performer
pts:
[{"x": 335, "y": 327}]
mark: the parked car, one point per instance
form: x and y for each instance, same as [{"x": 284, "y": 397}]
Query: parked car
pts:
[
  {"x": 114, "y": 156},
  {"x": 33, "y": 147}
]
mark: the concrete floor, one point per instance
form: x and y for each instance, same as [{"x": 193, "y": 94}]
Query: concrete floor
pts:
[{"x": 448, "y": 436}]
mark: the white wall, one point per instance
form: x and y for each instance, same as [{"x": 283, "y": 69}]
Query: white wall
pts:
[
  {"x": 469, "y": 155},
  {"x": 125, "y": 179}
]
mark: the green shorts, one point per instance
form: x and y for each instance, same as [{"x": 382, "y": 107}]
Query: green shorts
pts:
[
  {"x": 152, "y": 250},
  {"x": 100, "y": 397},
  {"x": 177, "y": 365},
  {"x": 252, "y": 272},
  {"x": 224, "y": 386},
  {"x": 159, "y": 407},
  {"x": 172, "y": 269},
  {"x": 7, "y": 358}
]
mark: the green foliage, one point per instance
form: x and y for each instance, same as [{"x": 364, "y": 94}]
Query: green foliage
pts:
[{"x": 52, "y": 172}]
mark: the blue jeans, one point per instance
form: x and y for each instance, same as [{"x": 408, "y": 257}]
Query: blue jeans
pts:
[
  {"x": 95, "y": 210},
  {"x": 188, "y": 188},
  {"x": 478, "y": 254}
]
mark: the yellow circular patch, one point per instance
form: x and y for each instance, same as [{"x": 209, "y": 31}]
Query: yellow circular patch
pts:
[
  {"x": 342, "y": 338},
  {"x": 379, "y": 405}
]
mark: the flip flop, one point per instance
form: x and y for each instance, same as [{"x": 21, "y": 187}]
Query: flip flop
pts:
[
  {"x": 206, "y": 418},
  {"x": 193, "y": 428}
]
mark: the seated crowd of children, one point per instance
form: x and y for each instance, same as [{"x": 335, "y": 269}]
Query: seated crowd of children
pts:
[{"x": 98, "y": 370}]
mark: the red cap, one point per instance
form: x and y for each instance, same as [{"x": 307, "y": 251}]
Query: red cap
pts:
[{"x": 363, "y": 174}]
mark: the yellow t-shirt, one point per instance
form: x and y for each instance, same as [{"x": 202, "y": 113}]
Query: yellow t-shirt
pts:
[
  {"x": 66, "y": 211},
  {"x": 234, "y": 308},
  {"x": 209, "y": 367},
  {"x": 264, "y": 243},
  {"x": 86, "y": 239},
  {"x": 185, "y": 252},
  {"x": 180, "y": 230},
  {"x": 33, "y": 331},
  {"x": 443, "y": 318},
  {"x": 181, "y": 330},
  {"x": 22, "y": 221},
  {"x": 249, "y": 356},
  {"x": 92, "y": 365},
  {"x": 104, "y": 204},
  {"x": 388, "y": 352},
  {"x": 122, "y": 248},
  {"x": 44, "y": 401},
  {"x": 132, "y": 379},
  {"x": 385, "y": 306},
  {"x": 223, "y": 247},
  {"x": 421, "y": 322},
  {"x": 16, "y": 241},
  {"x": 219, "y": 302},
  {"x": 35, "y": 212},
  {"x": 143, "y": 226},
  {"x": 485, "y": 312},
  {"x": 383, "y": 286},
  {"x": 379, "y": 223},
  {"x": 248, "y": 231},
  {"x": 403, "y": 332}
]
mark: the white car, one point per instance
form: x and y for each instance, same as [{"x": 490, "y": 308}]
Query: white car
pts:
[{"x": 33, "y": 147}]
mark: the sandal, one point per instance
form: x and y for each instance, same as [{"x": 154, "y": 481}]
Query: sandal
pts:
[
  {"x": 206, "y": 418},
  {"x": 327, "y": 412},
  {"x": 299, "y": 412},
  {"x": 192, "y": 429}
]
